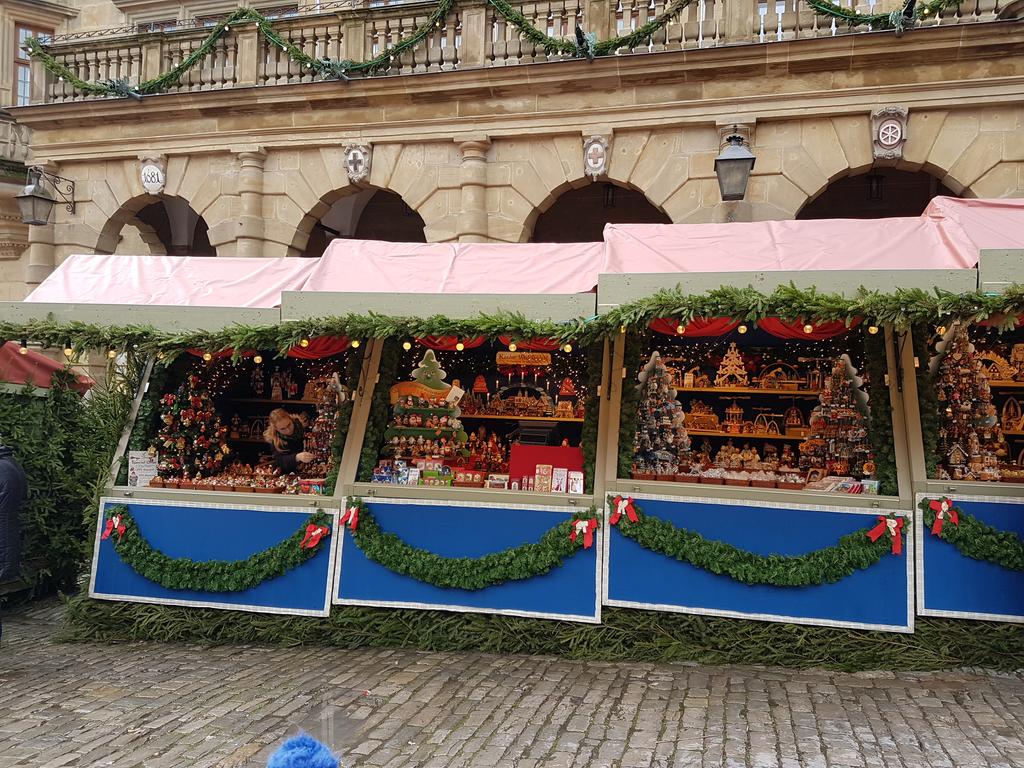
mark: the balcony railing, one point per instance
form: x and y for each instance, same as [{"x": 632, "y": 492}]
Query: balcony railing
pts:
[{"x": 473, "y": 35}]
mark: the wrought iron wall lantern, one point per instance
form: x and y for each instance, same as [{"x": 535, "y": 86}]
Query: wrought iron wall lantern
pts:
[{"x": 41, "y": 192}]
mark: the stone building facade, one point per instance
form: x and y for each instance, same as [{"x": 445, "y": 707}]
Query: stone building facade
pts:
[{"x": 476, "y": 135}]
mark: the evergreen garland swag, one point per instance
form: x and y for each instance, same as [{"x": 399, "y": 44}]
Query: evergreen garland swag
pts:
[
  {"x": 851, "y": 553},
  {"x": 471, "y": 573},
  {"x": 976, "y": 539},
  {"x": 212, "y": 575},
  {"x": 897, "y": 20}
]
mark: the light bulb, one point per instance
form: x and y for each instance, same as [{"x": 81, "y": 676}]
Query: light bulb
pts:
[
  {"x": 111, "y": 353},
  {"x": 23, "y": 350},
  {"x": 941, "y": 330},
  {"x": 622, "y": 329},
  {"x": 680, "y": 329},
  {"x": 207, "y": 356},
  {"x": 742, "y": 329},
  {"x": 160, "y": 355},
  {"x": 459, "y": 346},
  {"x": 406, "y": 345},
  {"x": 257, "y": 359},
  {"x": 808, "y": 328},
  {"x": 567, "y": 348},
  {"x": 355, "y": 343},
  {"x": 512, "y": 347},
  {"x": 68, "y": 350},
  {"x": 304, "y": 342},
  {"x": 872, "y": 329}
]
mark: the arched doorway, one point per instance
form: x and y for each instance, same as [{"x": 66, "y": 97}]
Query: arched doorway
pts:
[
  {"x": 166, "y": 226},
  {"x": 879, "y": 193},
  {"x": 579, "y": 215},
  {"x": 370, "y": 214}
]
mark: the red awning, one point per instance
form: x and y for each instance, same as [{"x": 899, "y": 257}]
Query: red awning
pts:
[{"x": 33, "y": 368}]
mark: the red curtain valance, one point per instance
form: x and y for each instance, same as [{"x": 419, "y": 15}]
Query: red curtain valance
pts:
[
  {"x": 447, "y": 343},
  {"x": 715, "y": 326},
  {"x": 533, "y": 345},
  {"x": 319, "y": 346},
  {"x": 794, "y": 329},
  {"x": 784, "y": 329}
]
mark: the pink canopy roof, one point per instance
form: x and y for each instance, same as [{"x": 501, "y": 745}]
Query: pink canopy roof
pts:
[
  {"x": 373, "y": 266},
  {"x": 948, "y": 235},
  {"x": 173, "y": 281}
]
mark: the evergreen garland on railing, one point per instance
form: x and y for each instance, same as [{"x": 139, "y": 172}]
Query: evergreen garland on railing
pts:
[
  {"x": 513, "y": 564},
  {"x": 331, "y": 69},
  {"x": 902, "y": 18}
]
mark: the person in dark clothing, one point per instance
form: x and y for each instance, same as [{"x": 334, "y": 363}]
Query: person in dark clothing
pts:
[
  {"x": 12, "y": 495},
  {"x": 286, "y": 434}
]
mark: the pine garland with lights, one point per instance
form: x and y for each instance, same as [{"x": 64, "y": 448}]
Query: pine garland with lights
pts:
[{"x": 898, "y": 20}]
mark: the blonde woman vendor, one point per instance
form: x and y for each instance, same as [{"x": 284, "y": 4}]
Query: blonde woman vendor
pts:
[{"x": 286, "y": 434}]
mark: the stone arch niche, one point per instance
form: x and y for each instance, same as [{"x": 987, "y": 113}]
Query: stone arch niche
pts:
[
  {"x": 878, "y": 192},
  {"x": 577, "y": 213},
  {"x": 365, "y": 213},
  {"x": 156, "y": 225}
]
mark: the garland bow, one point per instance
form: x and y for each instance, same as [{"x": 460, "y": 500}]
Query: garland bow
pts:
[
  {"x": 623, "y": 506},
  {"x": 894, "y": 527},
  {"x": 943, "y": 508},
  {"x": 350, "y": 518},
  {"x": 114, "y": 523},
  {"x": 313, "y": 535},
  {"x": 584, "y": 528}
]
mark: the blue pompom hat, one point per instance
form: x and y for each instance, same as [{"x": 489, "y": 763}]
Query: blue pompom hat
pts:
[{"x": 303, "y": 751}]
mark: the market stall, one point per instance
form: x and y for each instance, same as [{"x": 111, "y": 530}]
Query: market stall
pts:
[
  {"x": 762, "y": 467},
  {"x": 968, "y": 451}
]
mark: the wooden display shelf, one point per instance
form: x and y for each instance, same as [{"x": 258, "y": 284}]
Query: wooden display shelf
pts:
[
  {"x": 753, "y": 391},
  {"x": 1006, "y": 384},
  {"x": 755, "y": 435},
  {"x": 1014, "y": 432},
  {"x": 265, "y": 401},
  {"x": 496, "y": 417}
]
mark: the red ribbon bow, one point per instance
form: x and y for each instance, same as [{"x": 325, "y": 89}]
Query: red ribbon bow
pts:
[
  {"x": 351, "y": 518},
  {"x": 585, "y": 527},
  {"x": 313, "y": 535},
  {"x": 892, "y": 525},
  {"x": 942, "y": 508},
  {"x": 114, "y": 523},
  {"x": 623, "y": 505}
]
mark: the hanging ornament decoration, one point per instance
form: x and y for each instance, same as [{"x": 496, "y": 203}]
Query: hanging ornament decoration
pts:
[
  {"x": 514, "y": 564},
  {"x": 894, "y": 527},
  {"x": 853, "y": 552},
  {"x": 943, "y": 508},
  {"x": 214, "y": 575},
  {"x": 972, "y": 537}
]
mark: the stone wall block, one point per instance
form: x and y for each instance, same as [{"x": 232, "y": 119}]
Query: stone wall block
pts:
[
  {"x": 1003, "y": 180},
  {"x": 800, "y": 168},
  {"x": 785, "y": 195},
  {"x": 529, "y": 183},
  {"x": 922, "y": 130},
  {"x": 958, "y": 132},
  {"x": 656, "y": 152},
  {"x": 627, "y": 147},
  {"x": 979, "y": 158},
  {"x": 673, "y": 174},
  {"x": 854, "y": 133},
  {"x": 821, "y": 143},
  {"x": 684, "y": 201},
  {"x": 385, "y": 158}
]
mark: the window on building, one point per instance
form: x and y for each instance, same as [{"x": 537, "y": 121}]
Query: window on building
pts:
[
  {"x": 23, "y": 65},
  {"x": 164, "y": 25}
]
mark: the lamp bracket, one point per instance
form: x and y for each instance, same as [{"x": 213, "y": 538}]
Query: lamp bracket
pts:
[{"x": 64, "y": 188}]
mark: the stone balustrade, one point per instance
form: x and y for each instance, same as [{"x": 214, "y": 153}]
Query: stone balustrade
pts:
[{"x": 474, "y": 35}]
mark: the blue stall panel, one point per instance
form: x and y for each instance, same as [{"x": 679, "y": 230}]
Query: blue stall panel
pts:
[
  {"x": 454, "y": 529},
  {"x": 878, "y": 597},
  {"x": 204, "y": 532},
  {"x": 950, "y": 584}
]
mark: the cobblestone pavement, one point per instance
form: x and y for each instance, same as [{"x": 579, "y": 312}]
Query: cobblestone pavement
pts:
[{"x": 156, "y": 706}]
